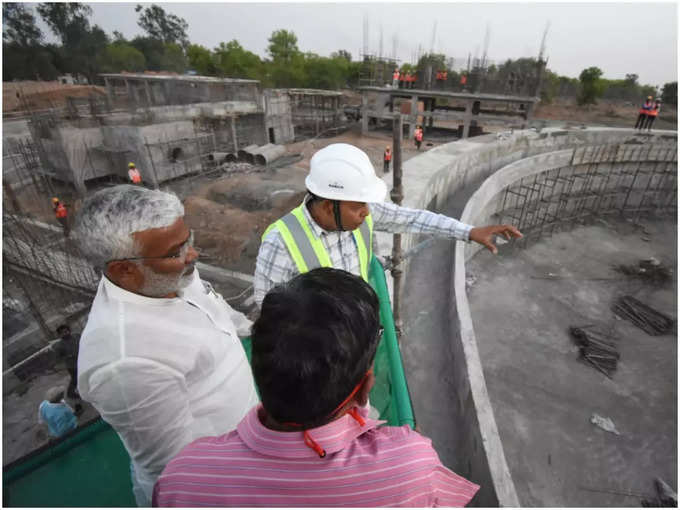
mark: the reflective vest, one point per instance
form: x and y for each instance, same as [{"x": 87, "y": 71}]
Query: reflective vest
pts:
[
  {"x": 388, "y": 155},
  {"x": 395, "y": 75},
  {"x": 654, "y": 111},
  {"x": 445, "y": 75},
  {"x": 308, "y": 251},
  {"x": 419, "y": 135},
  {"x": 646, "y": 108},
  {"x": 134, "y": 175},
  {"x": 463, "y": 80},
  {"x": 402, "y": 76},
  {"x": 60, "y": 211}
]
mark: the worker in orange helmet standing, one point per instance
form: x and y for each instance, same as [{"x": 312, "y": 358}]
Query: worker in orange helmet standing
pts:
[
  {"x": 643, "y": 113},
  {"x": 133, "y": 174},
  {"x": 61, "y": 214},
  {"x": 418, "y": 136},
  {"x": 387, "y": 157},
  {"x": 653, "y": 113}
]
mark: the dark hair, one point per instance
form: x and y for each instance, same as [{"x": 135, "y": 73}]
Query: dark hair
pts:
[{"x": 314, "y": 340}]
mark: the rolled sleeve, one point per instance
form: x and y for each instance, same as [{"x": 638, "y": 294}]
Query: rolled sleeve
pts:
[{"x": 388, "y": 217}]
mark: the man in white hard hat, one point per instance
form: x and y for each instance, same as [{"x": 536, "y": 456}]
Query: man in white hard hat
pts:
[{"x": 333, "y": 227}]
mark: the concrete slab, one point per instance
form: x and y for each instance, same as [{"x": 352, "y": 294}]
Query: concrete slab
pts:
[{"x": 543, "y": 396}]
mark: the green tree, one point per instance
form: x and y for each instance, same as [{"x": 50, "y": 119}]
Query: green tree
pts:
[
  {"x": 669, "y": 93},
  {"x": 283, "y": 46},
  {"x": 24, "y": 57},
  {"x": 325, "y": 73},
  {"x": 19, "y": 26},
  {"x": 342, "y": 54},
  {"x": 81, "y": 44},
  {"x": 160, "y": 25},
  {"x": 121, "y": 56},
  {"x": 233, "y": 61},
  {"x": 173, "y": 58},
  {"x": 201, "y": 60},
  {"x": 152, "y": 49},
  {"x": 591, "y": 85}
]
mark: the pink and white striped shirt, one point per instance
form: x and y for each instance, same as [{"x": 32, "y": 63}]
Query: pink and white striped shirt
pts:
[{"x": 364, "y": 466}]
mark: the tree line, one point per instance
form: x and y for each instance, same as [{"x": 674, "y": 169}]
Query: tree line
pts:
[{"x": 87, "y": 50}]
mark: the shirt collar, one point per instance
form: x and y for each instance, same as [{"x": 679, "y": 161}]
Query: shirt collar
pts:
[
  {"x": 121, "y": 294},
  {"x": 332, "y": 437},
  {"x": 317, "y": 230}
]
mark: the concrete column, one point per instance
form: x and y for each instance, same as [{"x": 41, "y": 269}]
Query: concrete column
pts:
[
  {"x": 233, "y": 133},
  {"x": 109, "y": 90},
  {"x": 364, "y": 114},
  {"x": 130, "y": 94},
  {"x": 147, "y": 90},
  {"x": 467, "y": 119},
  {"x": 530, "y": 112},
  {"x": 431, "y": 121},
  {"x": 413, "y": 118}
]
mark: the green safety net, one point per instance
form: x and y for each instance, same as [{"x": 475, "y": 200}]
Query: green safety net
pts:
[{"x": 90, "y": 467}]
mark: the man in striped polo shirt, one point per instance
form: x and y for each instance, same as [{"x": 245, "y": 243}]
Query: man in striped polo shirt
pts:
[{"x": 310, "y": 442}]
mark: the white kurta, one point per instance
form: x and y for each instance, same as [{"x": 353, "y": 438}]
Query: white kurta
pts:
[{"x": 163, "y": 372}]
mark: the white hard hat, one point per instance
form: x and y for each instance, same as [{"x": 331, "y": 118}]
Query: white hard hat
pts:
[{"x": 344, "y": 172}]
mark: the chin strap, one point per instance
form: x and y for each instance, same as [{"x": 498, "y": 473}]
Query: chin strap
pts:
[{"x": 336, "y": 213}]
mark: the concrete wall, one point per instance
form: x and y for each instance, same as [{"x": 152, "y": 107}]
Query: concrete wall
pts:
[
  {"x": 431, "y": 179},
  {"x": 278, "y": 116}
]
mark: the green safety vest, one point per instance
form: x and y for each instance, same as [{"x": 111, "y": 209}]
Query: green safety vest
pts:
[{"x": 308, "y": 252}]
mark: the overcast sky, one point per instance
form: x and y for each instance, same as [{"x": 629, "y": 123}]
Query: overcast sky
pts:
[{"x": 618, "y": 38}]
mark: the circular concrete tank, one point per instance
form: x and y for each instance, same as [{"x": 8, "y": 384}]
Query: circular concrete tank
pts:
[{"x": 439, "y": 347}]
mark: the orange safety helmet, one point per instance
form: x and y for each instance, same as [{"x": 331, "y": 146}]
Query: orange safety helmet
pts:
[{"x": 55, "y": 200}]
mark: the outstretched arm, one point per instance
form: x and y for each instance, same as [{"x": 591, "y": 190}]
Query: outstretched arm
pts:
[{"x": 485, "y": 235}]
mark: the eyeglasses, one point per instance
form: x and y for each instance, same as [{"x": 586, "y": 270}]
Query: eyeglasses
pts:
[{"x": 181, "y": 254}]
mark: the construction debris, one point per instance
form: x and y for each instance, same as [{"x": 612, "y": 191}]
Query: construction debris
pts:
[
  {"x": 649, "y": 270},
  {"x": 596, "y": 348},
  {"x": 666, "y": 496},
  {"x": 644, "y": 317},
  {"x": 604, "y": 423}
]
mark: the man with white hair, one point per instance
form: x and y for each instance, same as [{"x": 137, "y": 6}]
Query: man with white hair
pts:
[{"x": 160, "y": 358}]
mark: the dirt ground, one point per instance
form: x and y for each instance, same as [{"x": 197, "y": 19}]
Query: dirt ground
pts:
[
  {"x": 42, "y": 95},
  {"x": 603, "y": 114},
  {"x": 230, "y": 213}
]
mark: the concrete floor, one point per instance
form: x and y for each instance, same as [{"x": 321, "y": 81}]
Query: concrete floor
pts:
[
  {"x": 543, "y": 397},
  {"x": 21, "y": 432}
]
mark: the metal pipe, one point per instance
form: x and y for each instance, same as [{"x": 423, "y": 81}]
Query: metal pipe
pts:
[{"x": 397, "y": 196}]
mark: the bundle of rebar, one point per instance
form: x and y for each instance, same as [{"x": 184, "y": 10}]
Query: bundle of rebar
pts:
[
  {"x": 650, "y": 270},
  {"x": 644, "y": 317},
  {"x": 596, "y": 348}
]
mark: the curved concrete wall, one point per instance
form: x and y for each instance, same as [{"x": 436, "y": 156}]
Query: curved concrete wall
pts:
[{"x": 447, "y": 171}]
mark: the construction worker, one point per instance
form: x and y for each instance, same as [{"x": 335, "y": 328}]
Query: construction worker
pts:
[
  {"x": 333, "y": 227},
  {"x": 418, "y": 136},
  {"x": 387, "y": 157},
  {"x": 133, "y": 174},
  {"x": 652, "y": 115},
  {"x": 61, "y": 214},
  {"x": 395, "y": 78},
  {"x": 402, "y": 80},
  {"x": 643, "y": 112}
]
